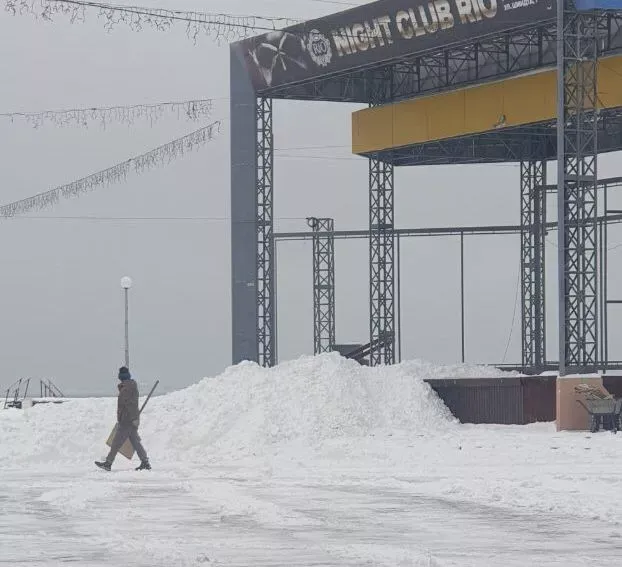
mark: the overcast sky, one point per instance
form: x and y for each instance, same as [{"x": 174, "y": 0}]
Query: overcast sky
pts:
[{"x": 62, "y": 308}]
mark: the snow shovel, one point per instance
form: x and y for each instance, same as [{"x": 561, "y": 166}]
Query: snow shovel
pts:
[{"x": 127, "y": 449}]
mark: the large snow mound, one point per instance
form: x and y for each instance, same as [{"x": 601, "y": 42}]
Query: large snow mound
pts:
[
  {"x": 246, "y": 410},
  {"x": 310, "y": 399},
  {"x": 427, "y": 370}
]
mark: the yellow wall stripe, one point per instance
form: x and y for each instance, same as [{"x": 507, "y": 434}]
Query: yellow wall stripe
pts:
[{"x": 514, "y": 102}]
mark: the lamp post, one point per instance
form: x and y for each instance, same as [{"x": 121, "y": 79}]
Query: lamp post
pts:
[{"x": 126, "y": 284}]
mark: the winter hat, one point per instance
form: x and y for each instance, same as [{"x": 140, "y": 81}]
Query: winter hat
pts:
[{"x": 124, "y": 373}]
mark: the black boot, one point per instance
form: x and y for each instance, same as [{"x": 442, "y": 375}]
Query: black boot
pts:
[
  {"x": 144, "y": 466},
  {"x": 104, "y": 465}
]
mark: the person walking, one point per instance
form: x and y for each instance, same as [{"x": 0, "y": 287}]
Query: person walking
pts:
[{"x": 128, "y": 421}]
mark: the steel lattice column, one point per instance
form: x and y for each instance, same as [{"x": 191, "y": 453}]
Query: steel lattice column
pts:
[
  {"x": 265, "y": 234},
  {"x": 577, "y": 190},
  {"x": 381, "y": 262},
  {"x": 533, "y": 230},
  {"x": 323, "y": 284}
]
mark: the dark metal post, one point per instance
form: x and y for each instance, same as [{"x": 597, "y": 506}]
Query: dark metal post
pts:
[
  {"x": 577, "y": 189},
  {"x": 127, "y": 328},
  {"x": 275, "y": 296},
  {"x": 381, "y": 261},
  {"x": 605, "y": 246},
  {"x": 399, "y": 299},
  {"x": 323, "y": 284},
  {"x": 533, "y": 229},
  {"x": 265, "y": 231},
  {"x": 244, "y": 226},
  {"x": 462, "y": 337}
]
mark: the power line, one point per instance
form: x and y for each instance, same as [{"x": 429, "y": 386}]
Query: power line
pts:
[
  {"x": 507, "y": 346},
  {"x": 91, "y": 218},
  {"x": 430, "y": 161}
]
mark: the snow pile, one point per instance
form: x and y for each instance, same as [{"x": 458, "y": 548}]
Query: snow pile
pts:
[
  {"x": 428, "y": 370},
  {"x": 244, "y": 411},
  {"x": 311, "y": 399},
  {"x": 50, "y": 433}
]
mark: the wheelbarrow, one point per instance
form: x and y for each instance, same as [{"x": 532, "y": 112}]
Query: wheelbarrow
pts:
[{"x": 603, "y": 413}]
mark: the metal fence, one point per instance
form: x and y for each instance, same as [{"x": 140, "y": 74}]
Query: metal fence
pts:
[{"x": 506, "y": 401}]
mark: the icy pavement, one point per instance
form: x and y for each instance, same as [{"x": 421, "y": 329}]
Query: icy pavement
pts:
[
  {"x": 224, "y": 517},
  {"x": 319, "y": 462}
]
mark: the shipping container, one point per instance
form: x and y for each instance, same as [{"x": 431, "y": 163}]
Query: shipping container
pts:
[{"x": 505, "y": 401}]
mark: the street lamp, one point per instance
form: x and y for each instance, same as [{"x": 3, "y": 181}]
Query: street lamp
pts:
[{"x": 126, "y": 284}]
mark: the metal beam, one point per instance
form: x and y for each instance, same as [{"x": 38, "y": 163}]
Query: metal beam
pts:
[
  {"x": 602, "y": 184},
  {"x": 381, "y": 263},
  {"x": 462, "y": 314},
  {"x": 456, "y": 231},
  {"x": 243, "y": 213},
  {"x": 533, "y": 229},
  {"x": 265, "y": 230},
  {"x": 474, "y": 61},
  {"x": 447, "y": 231},
  {"x": 323, "y": 284},
  {"x": 577, "y": 189}
]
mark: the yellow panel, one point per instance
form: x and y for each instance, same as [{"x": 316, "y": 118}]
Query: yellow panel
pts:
[
  {"x": 483, "y": 112},
  {"x": 443, "y": 122},
  {"x": 525, "y": 100},
  {"x": 372, "y": 128},
  {"x": 514, "y": 102},
  {"x": 411, "y": 124},
  {"x": 610, "y": 81}
]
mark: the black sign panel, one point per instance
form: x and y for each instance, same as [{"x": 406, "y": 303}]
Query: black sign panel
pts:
[{"x": 377, "y": 32}]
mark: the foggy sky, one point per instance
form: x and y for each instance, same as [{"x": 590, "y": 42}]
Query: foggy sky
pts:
[{"x": 62, "y": 305}]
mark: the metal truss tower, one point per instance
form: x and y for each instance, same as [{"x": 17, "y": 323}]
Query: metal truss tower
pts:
[
  {"x": 265, "y": 234},
  {"x": 381, "y": 263},
  {"x": 323, "y": 284},
  {"x": 577, "y": 189},
  {"x": 533, "y": 231}
]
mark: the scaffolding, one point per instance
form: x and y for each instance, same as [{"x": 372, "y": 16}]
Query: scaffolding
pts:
[
  {"x": 574, "y": 139},
  {"x": 323, "y": 284}
]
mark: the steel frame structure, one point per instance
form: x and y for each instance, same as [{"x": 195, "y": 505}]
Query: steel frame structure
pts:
[
  {"x": 582, "y": 133},
  {"x": 533, "y": 230},
  {"x": 577, "y": 149},
  {"x": 533, "y": 176},
  {"x": 501, "y": 56},
  {"x": 323, "y": 284},
  {"x": 266, "y": 300},
  {"x": 381, "y": 263}
]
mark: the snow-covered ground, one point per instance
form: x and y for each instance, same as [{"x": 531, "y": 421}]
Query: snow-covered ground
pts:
[{"x": 317, "y": 462}]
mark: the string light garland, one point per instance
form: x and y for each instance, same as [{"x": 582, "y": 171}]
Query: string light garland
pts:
[
  {"x": 163, "y": 155},
  {"x": 192, "y": 110},
  {"x": 221, "y": 27}
]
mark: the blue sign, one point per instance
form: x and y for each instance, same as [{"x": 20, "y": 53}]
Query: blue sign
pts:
[{"x": 598, "y": 5}]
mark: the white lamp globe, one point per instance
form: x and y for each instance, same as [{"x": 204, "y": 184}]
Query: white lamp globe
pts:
[{"x": 126, "y": 283}]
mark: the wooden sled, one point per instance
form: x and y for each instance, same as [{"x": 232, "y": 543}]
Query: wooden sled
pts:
[{"x": 127, "y": 449}]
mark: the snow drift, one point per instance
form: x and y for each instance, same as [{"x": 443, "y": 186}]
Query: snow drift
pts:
[
  {"x": 244, "y": 411},
  {"x": 310, "y": 400}
]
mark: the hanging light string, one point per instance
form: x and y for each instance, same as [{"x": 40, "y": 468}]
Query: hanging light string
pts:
[
  {"x": 220, "y": 27},
  {"x": 160, "y": 156},
  {"x": 191, "y": 110}
]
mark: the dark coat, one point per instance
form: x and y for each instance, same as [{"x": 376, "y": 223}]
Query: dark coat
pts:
[{"x": 127, "y": 404}]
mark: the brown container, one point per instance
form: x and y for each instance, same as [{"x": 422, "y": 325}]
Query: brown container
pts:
[
  {"x": 613, "y": 385},
  {"x": 487, "y": 400},
  {"x": 539, "y": 399},
  {"x": 505, "y": 401}
]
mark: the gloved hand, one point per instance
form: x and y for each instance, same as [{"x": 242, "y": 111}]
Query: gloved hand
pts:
[{"x": 136, "y": 423}]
